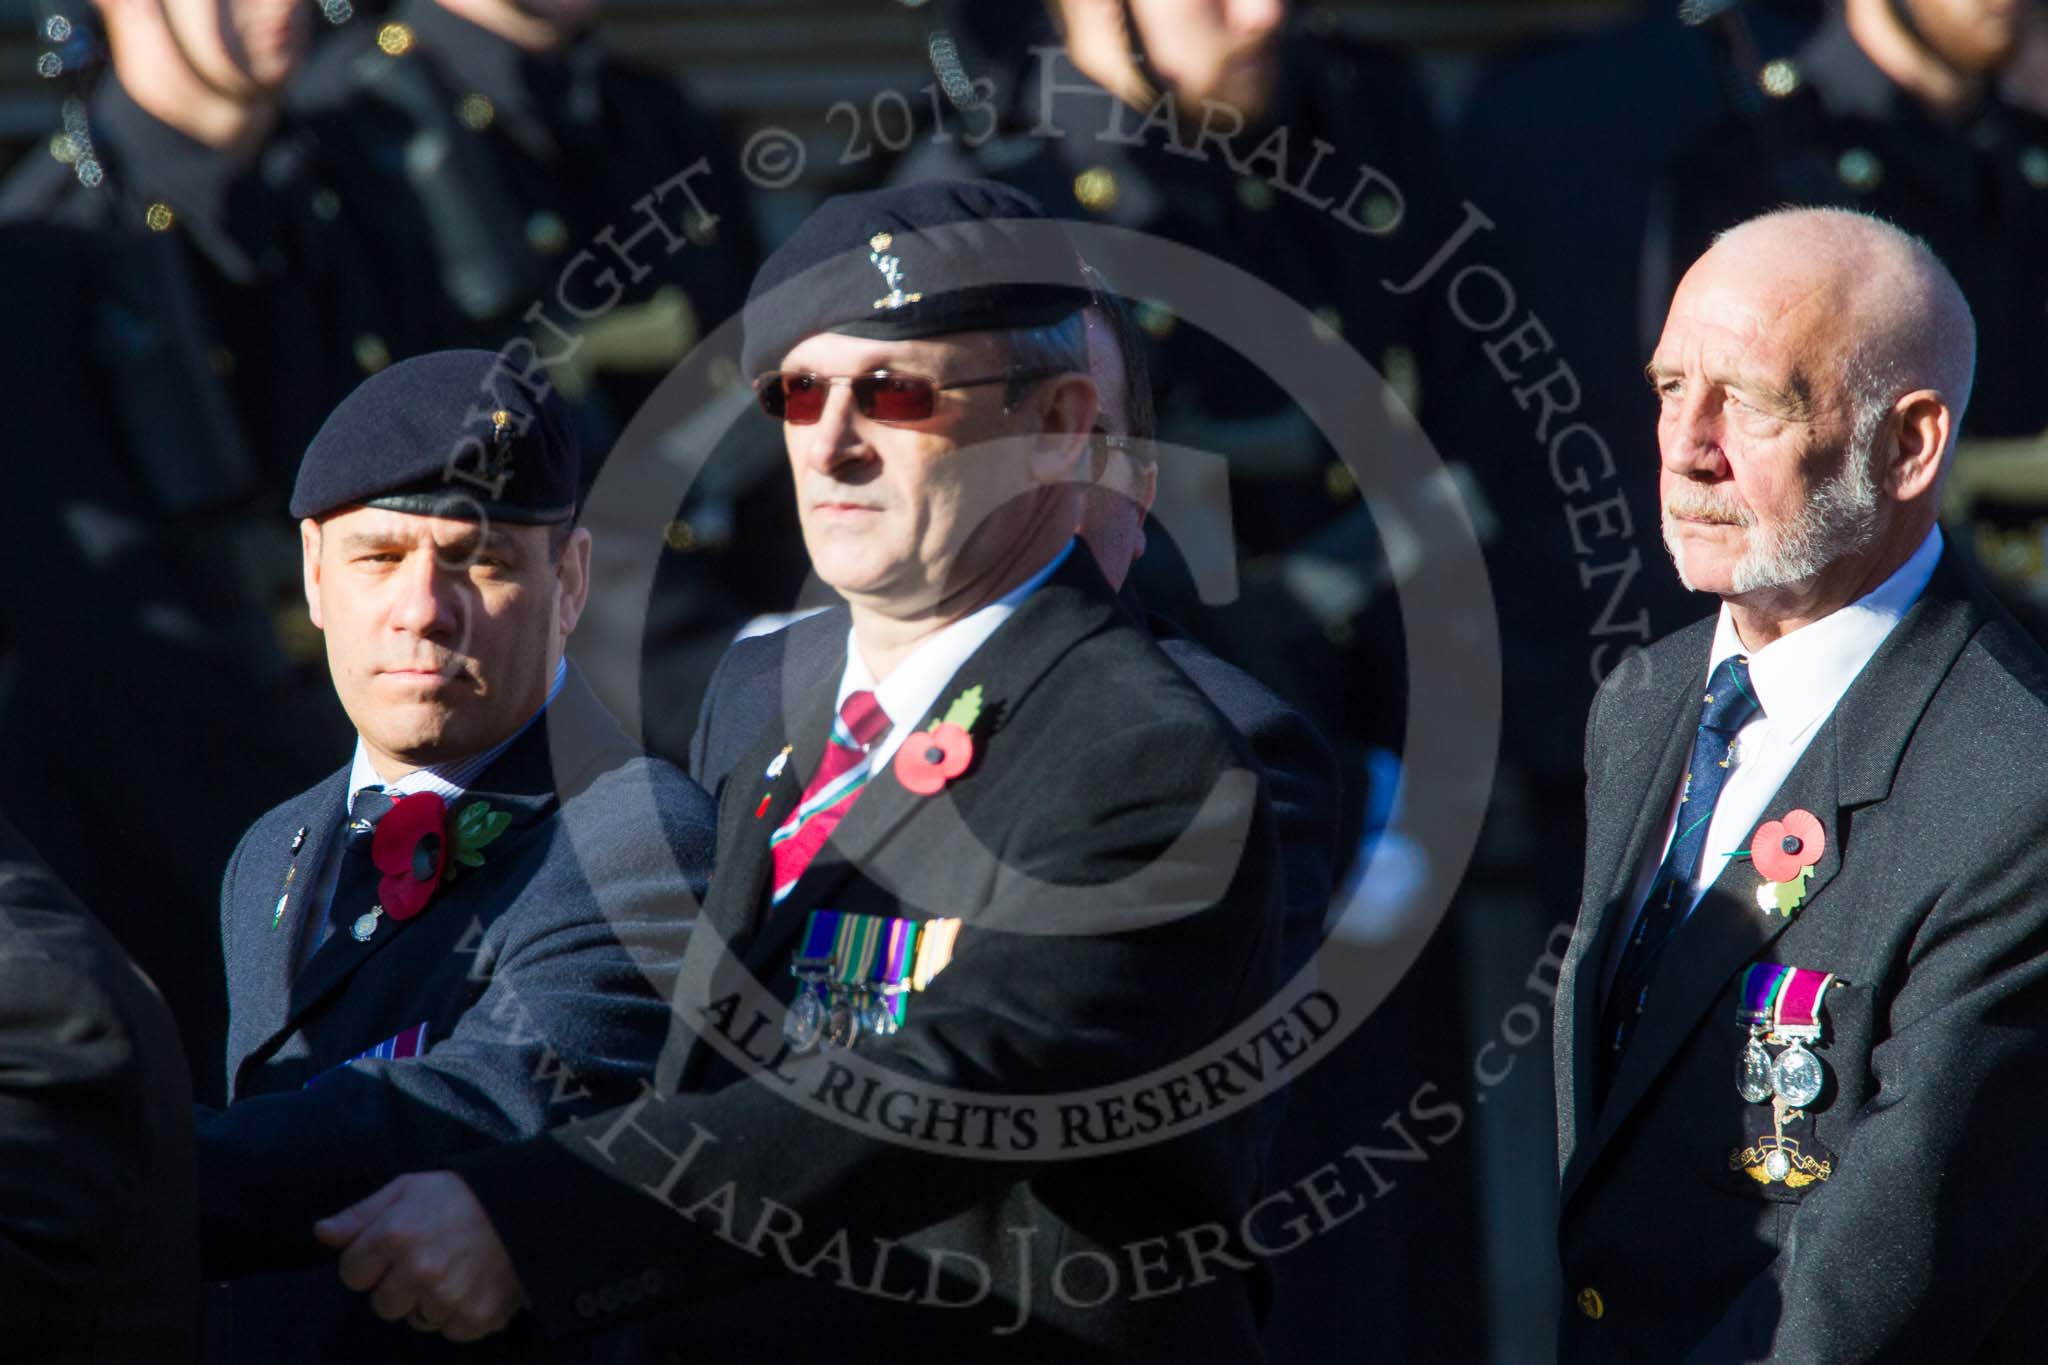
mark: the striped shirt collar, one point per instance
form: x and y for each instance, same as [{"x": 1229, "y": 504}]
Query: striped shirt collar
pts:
[{"x": 448, "y": 780}]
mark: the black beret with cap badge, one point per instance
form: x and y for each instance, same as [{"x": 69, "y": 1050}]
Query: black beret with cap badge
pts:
[
  {"x": 449, "y": 434},
  {"x": 915, "y": 260}
]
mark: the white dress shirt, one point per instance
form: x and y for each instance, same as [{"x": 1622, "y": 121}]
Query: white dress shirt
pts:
[
  {"x": 910, "y": 696},
  {"x": 1798, "y": 679}
]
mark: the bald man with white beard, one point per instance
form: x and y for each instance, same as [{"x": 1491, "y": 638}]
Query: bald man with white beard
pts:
[{"x": 1802, "y": 1028}]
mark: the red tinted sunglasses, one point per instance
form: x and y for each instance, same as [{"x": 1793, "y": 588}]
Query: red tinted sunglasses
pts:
[{"x": 798, "y": 396}]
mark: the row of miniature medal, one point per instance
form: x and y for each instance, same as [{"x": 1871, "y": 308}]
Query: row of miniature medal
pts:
[
  {"x": 1780, "y": 1006},
  {"x": 855, "y": 975}
]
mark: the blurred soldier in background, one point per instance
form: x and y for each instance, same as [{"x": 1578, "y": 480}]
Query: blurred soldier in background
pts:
[
  {"x": 199, "y": 306},
  {"x": 1289, "y": 152},
  {"x": 1541, "y": 339},
  {"x": 553, "y": 190},
  {"x": 1918, "y": 111}
]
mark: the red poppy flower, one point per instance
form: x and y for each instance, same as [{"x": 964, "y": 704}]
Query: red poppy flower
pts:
[
  {"x": 931, "y": 758},
  {"x": 1782, "y": 847},
  {"x": 410, "y": 848}
]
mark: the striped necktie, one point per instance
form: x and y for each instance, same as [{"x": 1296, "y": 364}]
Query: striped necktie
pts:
[
  {"x": 843, "y": 770},
  {"x": 1730, "y": 704}
]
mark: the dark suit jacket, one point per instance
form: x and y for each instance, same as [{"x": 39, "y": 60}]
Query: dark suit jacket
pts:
[
  {"x": 746, "y": 697},
  {"x": 1931, "y": 902},
  {"x": 540, "y": 978},
  {"x": 1079, "y": 965},
  {"x": 97, "y": 1216}
]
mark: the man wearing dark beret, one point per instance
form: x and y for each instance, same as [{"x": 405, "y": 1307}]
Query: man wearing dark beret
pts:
[
  {"x": 985, "y": 884},
  {"x": 464, "y": 935}
]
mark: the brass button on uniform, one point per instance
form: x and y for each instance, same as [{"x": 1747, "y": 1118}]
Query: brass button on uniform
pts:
[
  {"x": 394, "y": 40},
  {"x": 158, "y": 217},
  {"x": 1156, "y": 318},
  {"x": 372, "y": 354},
  {"x": 1591, "y": 1304},
  {"x": 1339, "y": 482},
  {"x": 1860, "y": 169},
  {"x": 1096, "y": 189},
  {"x": 546, "y": 233},
  {"x": 1779, "y": 78}
]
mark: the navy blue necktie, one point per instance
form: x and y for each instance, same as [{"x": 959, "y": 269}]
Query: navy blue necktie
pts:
[
  {"x": 1730, "y": 704},
  {"x": 355, "y": 888}
]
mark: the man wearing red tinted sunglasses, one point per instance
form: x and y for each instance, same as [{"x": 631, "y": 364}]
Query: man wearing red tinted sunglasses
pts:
[{"x": 1095, "y": 833}]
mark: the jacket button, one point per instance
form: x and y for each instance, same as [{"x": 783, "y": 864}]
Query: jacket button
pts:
[
  {"x": 651, "y": 1281},
  {"x": 608, "y": 1298},
  {"x": 1591, "y": 1304},
  {"x": 586, "y": 1304}
]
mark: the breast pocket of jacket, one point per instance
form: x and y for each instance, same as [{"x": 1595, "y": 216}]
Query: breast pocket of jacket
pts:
[{"x": 1798, "y": 1035}]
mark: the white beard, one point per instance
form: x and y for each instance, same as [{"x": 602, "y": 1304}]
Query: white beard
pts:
[{"x": 1839, "y": 518}]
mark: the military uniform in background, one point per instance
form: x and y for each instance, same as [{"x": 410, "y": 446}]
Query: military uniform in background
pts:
[
  {"x": 499, "y": 168},
  {"x": 1837, "y": 130},
  {"x": 1573, "y": 190},
  {"x": 584, "y": 203},
  {"x": 195, "y": 317},
  {"x": 1314, "y": 618}
]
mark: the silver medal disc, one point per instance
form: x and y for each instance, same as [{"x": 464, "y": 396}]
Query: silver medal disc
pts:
[
  {"x": 1777, "y": 1165},
  {"x": 1796, "y": 1077},
  {"x": 365, "y": 925},
  {"x": 877, "y": 1016},
  {"x": 804, "y": 1022},
  {"x": 1753, "y": 1073}
]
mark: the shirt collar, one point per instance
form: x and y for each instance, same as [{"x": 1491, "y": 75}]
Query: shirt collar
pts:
[
  {"x": 1799, "y": 677},
  {"x": 913, "y": 689},
  {"x": 448, "y": 780}
]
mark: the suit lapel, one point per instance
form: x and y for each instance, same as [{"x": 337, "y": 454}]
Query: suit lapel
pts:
[
  {"x": 343, "y": 955},
  {"x": 1850, "y": 763},
  {"x": 266, "y": 945},
  {"x": 1642, "y": 806},
  {"x": 1725, "y": 931},
  {"x": 1073, "y": 603}
]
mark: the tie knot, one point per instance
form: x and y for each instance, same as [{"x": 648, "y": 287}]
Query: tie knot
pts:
[
  {"x": 863, "y": 720},
  {"x": 365, "y": 810},
  {"x": 1730, "y": 702}
]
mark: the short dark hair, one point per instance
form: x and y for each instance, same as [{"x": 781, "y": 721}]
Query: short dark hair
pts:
[
  {"x": 1040, "y": 352},
  {"x": 1141, "y": 414}
]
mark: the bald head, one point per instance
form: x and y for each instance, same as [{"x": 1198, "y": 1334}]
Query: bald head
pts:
[
  {"x": 1812, "y": 376},
  {"x": 1902, "y": 319}
]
